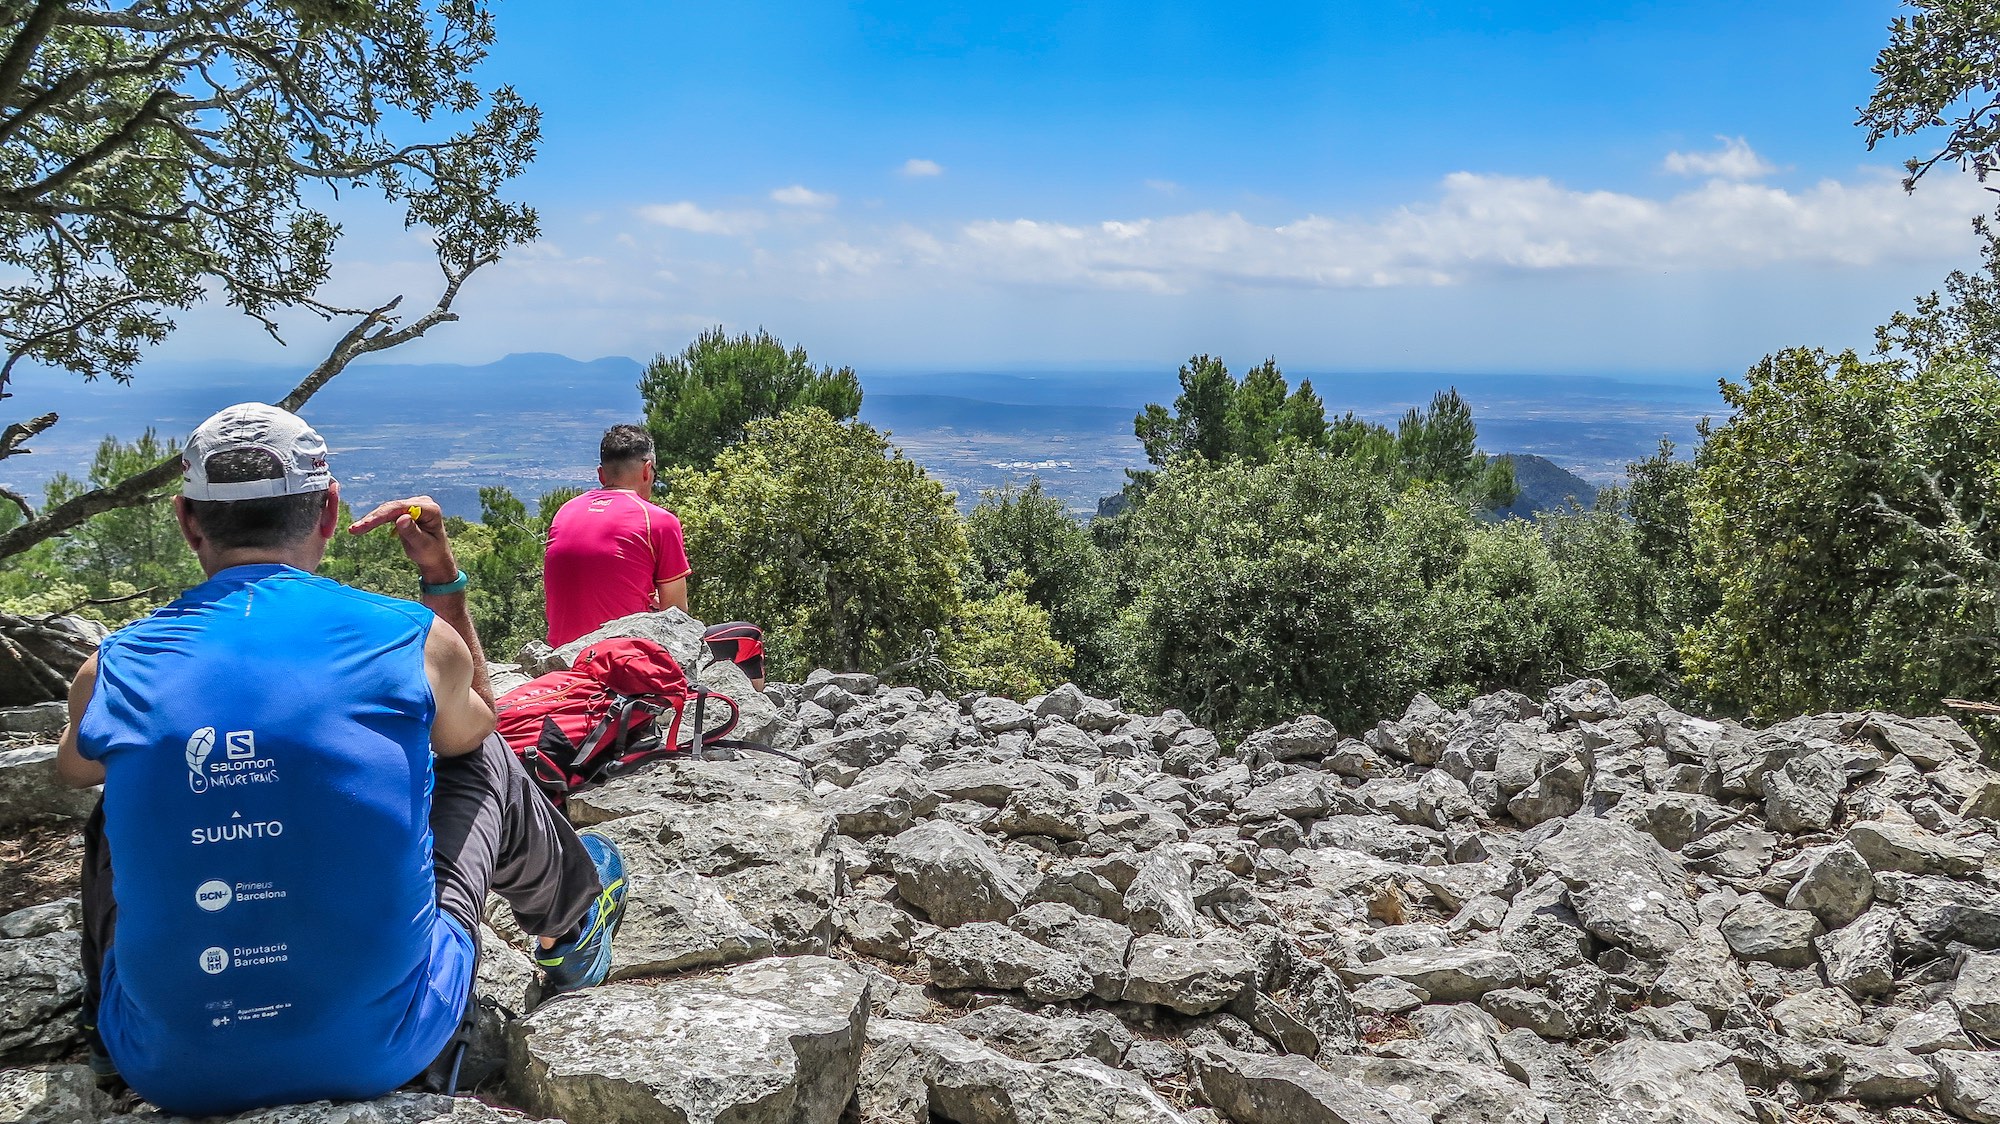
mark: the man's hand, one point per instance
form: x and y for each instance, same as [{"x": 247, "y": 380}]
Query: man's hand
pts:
[
  {"x": 423, "y": 536},
  {"x": 453, "y": 658}
]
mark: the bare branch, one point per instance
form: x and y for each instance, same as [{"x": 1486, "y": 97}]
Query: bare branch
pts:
[
  {"x": 18, "y": 500},
  {"x": 375, "y": 332},
  {"x": 12, "y": 437}
]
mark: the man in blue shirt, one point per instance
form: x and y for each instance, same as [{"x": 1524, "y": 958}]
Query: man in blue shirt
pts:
[{"x": 305, "y": 804}]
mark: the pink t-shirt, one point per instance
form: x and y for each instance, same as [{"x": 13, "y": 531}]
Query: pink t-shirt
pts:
[{"x": 608, "y": 553}]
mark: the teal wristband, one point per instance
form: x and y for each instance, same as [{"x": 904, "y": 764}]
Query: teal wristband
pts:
[{"x": 455, "y": 585}]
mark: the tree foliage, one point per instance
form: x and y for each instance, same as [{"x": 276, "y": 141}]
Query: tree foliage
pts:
[
  {"x": 1002, "y": 644},
  {"x": 1846, "y": 516},
  {"x": 1026, "y": 534},
  {"x": 148, "y": 150},
  {"x": 1216, "y": 417},
  {"x": 1940, "y": 70},
  {"x": 817, "y": 529},
  {"x": 700, "y": 402}
]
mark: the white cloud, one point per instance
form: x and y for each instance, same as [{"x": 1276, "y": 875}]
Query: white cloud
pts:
[
  {"x": 1164, "y": 187},
  {"x": 799, "y": 195},
  {"x": 1477, "y": 226},
  {"x": 690, "y": 217},
  {"x": 917, "y": 166},
  {"x": 1735, "y": 160}
]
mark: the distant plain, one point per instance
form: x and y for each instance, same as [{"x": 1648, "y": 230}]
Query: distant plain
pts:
[{"x": 531, "y": 422}]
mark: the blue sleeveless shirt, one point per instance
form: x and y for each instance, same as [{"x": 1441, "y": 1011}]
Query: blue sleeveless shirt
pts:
[{"x": 266, "y": 746}]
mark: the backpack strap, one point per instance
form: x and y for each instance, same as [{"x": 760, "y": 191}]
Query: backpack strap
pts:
[{"x": 701, "y": 696}]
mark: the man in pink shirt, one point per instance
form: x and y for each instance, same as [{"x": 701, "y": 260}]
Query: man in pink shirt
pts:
[{"x": 611, "y": 553}]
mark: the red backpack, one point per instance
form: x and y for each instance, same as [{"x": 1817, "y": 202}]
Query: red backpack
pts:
[{"x": 600, "y": 718}]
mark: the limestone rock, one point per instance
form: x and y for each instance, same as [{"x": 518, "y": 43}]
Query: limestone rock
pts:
[
  {"x": 52, "y": 1094},
  {"x": 1099, "y": 944},
  {"x": 1861, "y": 958},
  {"x": 953, "y": 875},
  {"x": 1882, "y": 1075},
  {"x": 1252, "y": 1089},
  {"x": 994, "y": 715},
  {"x": 1161, "y": 897},
  {"x": 1819, "y": 1013},
  {"x": 41, "y": 987},
  {"x": 1836, "y": 886},
  {"x": 57, "y": 916},
  {"x": 1064, "y": 814},
  {"x": 1308, "y": 736},
  {"x": 682, "y": 782},
  {"x": 1450, "y": 975},
  {"x": 778, "y": 1041},
  {"x": 395, "y": 1108},
  {"x": 1758, "y": 930},
  {"x": 1674, "y": 1083},
  {"x": 1969, "y": 1084},
  {"x": 30, "y": 792},
  {"x": 1804, "y": 795},
  {"x": 1033, "y": 1038},
  {"x": 1624, "y": 886},
  {"x": 675, "y": 917},
  {"x": 914, "y": 1074},
  {"x": 1907, "y": 847},
  {"x": 986, "y": 954},
  {"x": 1191, "y": 975},
  {"x": 1976, "y": 994}
]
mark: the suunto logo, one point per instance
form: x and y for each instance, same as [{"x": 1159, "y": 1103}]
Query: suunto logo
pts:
[{"x": 236, "y": 830}]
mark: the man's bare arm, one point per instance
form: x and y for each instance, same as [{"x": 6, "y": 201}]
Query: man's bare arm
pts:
[
  {"x": 674, "y": 595},
  {"x": 458, "y": 683},
  {"x": 453, "y": 657},
  {"x": 72, "y": 768}
]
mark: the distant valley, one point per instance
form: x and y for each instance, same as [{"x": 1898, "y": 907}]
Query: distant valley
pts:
[{"x": 531, "y": 422}]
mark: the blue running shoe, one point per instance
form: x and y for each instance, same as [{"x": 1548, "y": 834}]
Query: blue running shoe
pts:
[{"x": 583, "y": 959}]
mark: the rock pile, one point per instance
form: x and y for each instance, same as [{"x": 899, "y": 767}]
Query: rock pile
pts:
[{"x": 1584, "y": 910}]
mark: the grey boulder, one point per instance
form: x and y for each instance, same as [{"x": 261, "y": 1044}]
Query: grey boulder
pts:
[
  {"x": 1969, "y": 1084},
  {"x": 915, "y": 1074},
  {"x": 41, "y": 988},
  {"x": 953, "y": 875},
  {"x": 1191, "y": 975},
  {"x": 776, "y": 1042}
]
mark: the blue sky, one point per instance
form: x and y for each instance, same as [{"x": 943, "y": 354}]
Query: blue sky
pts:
[{"x": 1615, "y": 187}]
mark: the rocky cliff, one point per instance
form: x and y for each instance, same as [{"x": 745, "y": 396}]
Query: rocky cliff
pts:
[{"x": 1575, "y": 910}]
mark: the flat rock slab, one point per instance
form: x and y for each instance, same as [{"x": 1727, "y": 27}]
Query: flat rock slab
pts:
[
  {"x": 916, "y": 1073},
  {"x": 1260, "y": 1089},
  {"x": 1909, "y": 848},
  {"x": 1449, "y": 975},
  {"x": 775, "y": 1042},
  {"x": 1287, "y": 1089},
  {"x": 52, "y": 1094},
  {"x": 677, "y": 783},
  {"x": 1674, "y": 1083}
]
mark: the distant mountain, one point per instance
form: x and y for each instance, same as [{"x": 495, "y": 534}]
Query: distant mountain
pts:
[{"x": 1545, "y": 486}]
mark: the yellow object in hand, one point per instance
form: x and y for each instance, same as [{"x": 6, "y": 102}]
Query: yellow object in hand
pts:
[{"x": 415, "y": 513}]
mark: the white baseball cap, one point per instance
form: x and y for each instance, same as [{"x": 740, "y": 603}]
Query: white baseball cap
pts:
[{"x": 297, "y": 447}]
